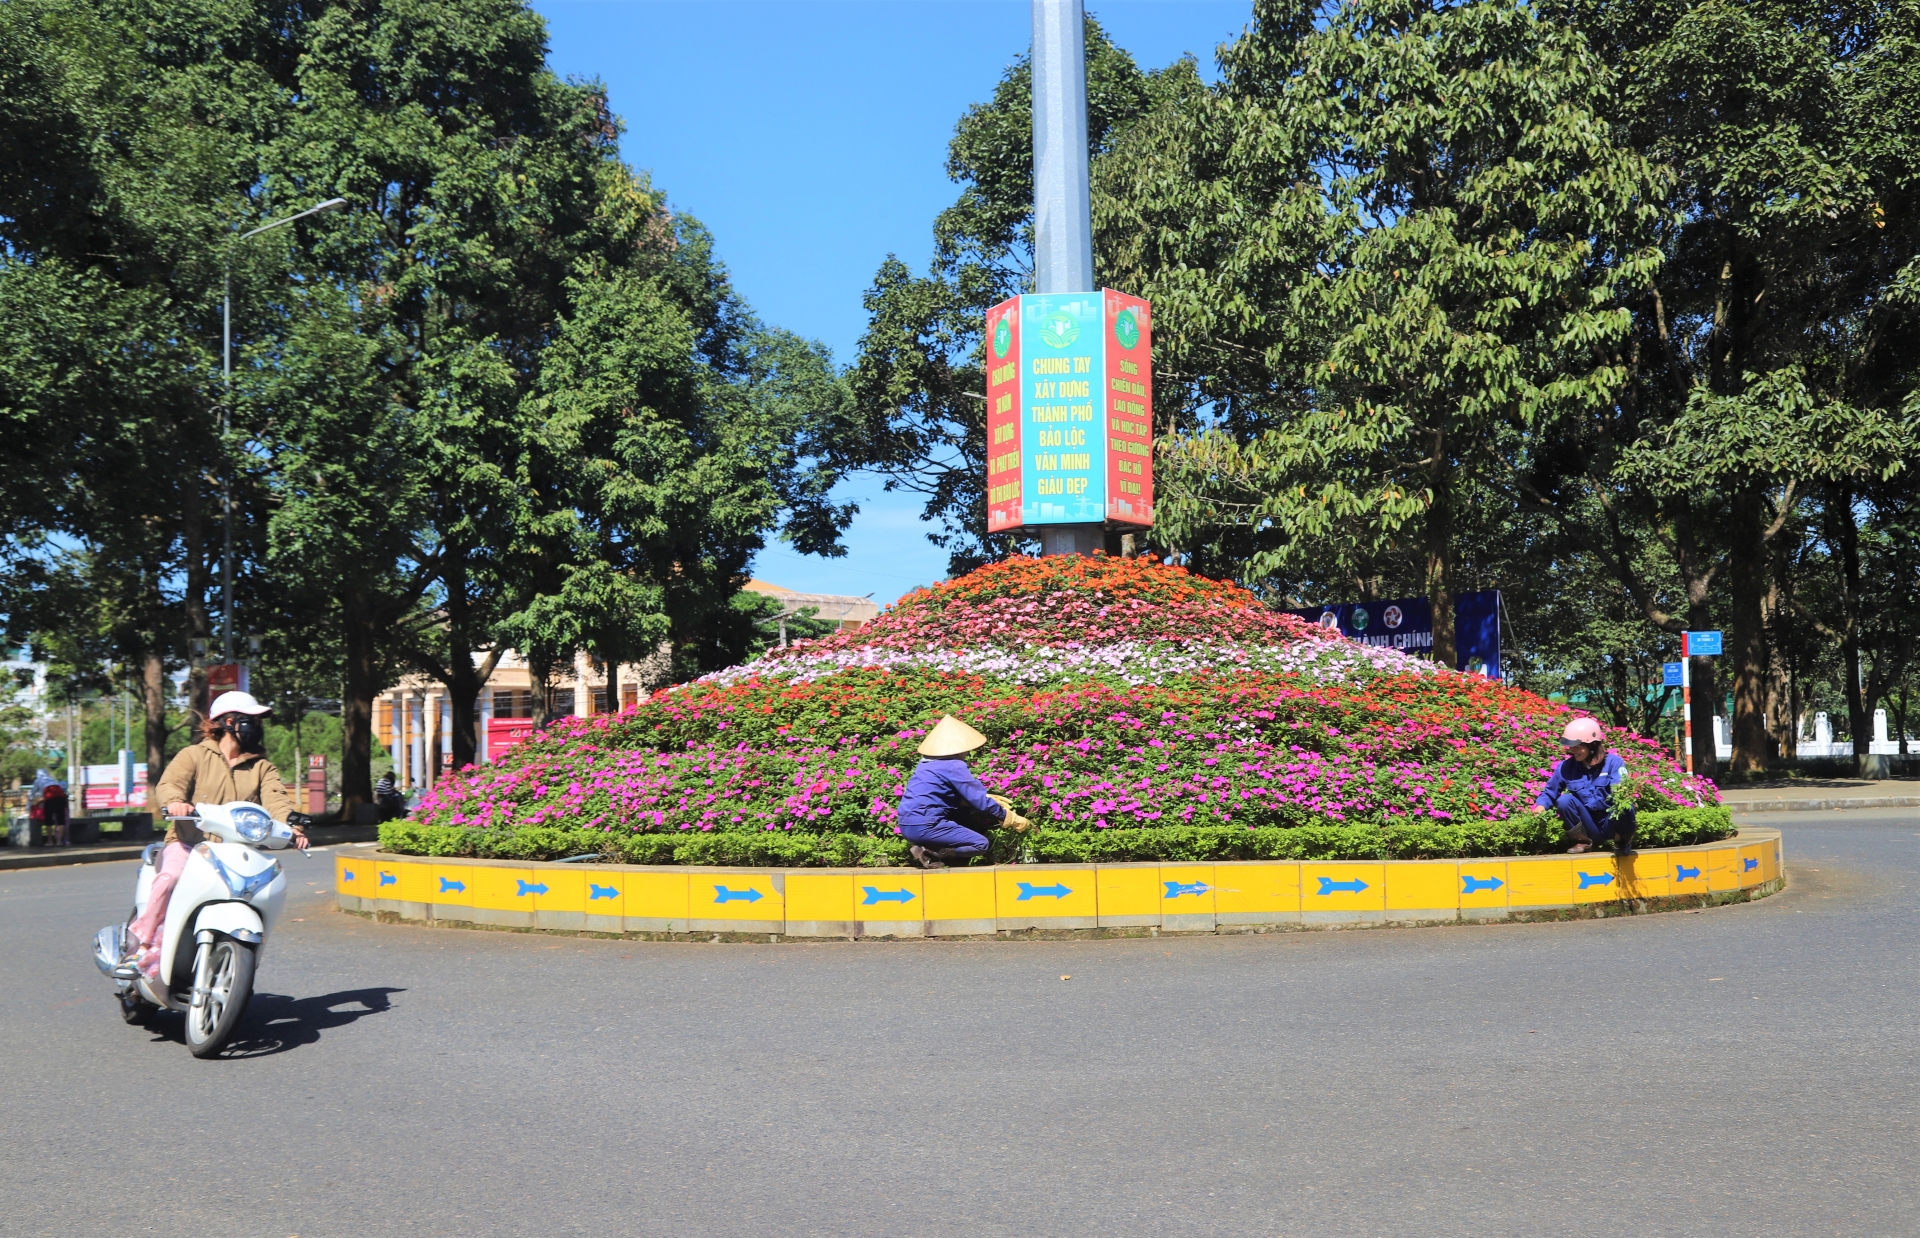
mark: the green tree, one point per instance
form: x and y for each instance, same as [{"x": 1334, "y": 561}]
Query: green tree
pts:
[
  {"x": 671, "y": 433},
  {"x": 1429, "y": 206},
  {"x": 1773, "y": 352}
]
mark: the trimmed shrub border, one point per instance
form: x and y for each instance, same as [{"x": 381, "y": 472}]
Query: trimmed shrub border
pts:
[
  {"x": 1102, "y": 899},
  {"x": 1516, "y": 837}
]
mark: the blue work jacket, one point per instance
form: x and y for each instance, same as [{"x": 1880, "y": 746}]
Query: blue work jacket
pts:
[
  {"x": 1590, "y": 786},
  {"x": 944, "y": 789}
]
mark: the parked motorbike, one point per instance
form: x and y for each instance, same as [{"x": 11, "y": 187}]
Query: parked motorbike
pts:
[{"x": 217, "y": 923}]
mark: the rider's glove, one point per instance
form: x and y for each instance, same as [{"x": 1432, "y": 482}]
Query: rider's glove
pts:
[{"x": 299, "y": 820}]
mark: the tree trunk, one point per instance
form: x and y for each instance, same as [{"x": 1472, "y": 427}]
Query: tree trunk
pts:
[
  {"x": 1846, "y": 537},
  {"x": 360, "y": 639},
  {"x": 613, "y": 685},
  {"x": 1439, "y": 555},
  {"x": 1747, "y": 567},
  {"x": 463, "y": 681},
  {"x": 153, "y": 697},
  {"x": 539, "y": 674}
]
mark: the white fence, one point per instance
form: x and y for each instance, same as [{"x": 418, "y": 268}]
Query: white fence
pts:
[{"x": 1821, "y": 743}]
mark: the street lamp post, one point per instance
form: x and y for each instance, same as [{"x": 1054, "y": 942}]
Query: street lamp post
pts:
[{"x": 226, "y": 417}]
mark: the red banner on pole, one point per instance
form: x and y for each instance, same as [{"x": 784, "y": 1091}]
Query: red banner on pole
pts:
[
  {"x": 1129, "y": 409},
  {"x": 1003, "y": 416}
]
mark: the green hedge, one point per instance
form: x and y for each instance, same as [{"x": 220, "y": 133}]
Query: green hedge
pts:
[{"x": 1531, "y": 834}]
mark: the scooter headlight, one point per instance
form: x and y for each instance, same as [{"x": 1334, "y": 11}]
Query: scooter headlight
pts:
[{"x": 251, "y": 824}]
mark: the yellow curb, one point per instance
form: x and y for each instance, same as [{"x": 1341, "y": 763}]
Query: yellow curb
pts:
[{"x": 1223, "y": 896}]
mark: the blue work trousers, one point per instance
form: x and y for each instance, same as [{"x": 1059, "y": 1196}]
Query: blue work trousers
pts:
[
  {"x": 1582, "y": 825},
  {"x": 945, "y": 836}
]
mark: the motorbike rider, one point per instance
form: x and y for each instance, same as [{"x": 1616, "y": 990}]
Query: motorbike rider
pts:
[{"x": 228, "y": 764}]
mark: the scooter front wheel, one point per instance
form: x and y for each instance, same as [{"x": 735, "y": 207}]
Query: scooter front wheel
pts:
[
  {"x": 224, "y": 968},
  {"x": 136, "y": 1009}
]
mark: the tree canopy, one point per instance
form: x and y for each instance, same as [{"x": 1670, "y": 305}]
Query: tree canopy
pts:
[{"x": 505, "y": 393}]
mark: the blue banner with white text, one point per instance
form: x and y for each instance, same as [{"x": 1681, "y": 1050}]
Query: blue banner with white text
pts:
[{"x": 1406, "y": 624}]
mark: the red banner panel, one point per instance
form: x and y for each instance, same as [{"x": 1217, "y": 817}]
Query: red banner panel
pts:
[
  {"x": 1003, "y": 416},
  {"x": 1129, "y": 409}
]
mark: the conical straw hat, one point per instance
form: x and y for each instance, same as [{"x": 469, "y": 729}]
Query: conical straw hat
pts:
[{"x": 951, "y": 738}]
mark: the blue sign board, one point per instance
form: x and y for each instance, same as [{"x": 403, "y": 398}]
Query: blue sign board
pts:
[
  {"x": 1407, "y": 624},
  {"x": 1703, "y": 644},
  {"x": 1065, "y": 475},
  {"x": 1672, "y": 672}
]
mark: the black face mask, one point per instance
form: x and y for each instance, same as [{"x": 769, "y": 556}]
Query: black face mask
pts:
[{"x": 250, "y": 733}]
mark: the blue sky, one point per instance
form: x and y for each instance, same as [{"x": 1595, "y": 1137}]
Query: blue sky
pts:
[{"x": 811, "y": 139}]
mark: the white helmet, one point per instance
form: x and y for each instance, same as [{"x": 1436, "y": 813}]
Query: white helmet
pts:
[{"x": 235, "y": 703}]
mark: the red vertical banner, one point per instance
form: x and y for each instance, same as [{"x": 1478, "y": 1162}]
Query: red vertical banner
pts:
[
  {"x": 1002, "y": 349},
  {"x": 1128, "y": 409}
]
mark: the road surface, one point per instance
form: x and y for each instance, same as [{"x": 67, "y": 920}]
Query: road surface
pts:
[{"x": 1743, "y": 1070}]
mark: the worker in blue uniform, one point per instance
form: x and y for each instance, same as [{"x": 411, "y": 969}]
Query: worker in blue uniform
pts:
[
  {"x": 1580, "y": 790},
  {"x": 946, "y": 812}
]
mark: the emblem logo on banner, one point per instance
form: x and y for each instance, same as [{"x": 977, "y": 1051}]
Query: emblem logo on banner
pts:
[
  {"x": 1392, "y": 617},
  {"x": 1126, "y": 329},
  {"x": 1060, "y": 331},
  {"x": 1002, "y": 338}
]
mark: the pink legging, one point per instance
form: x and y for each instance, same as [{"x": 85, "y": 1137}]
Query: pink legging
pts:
[{"x": 173, "y": 862}]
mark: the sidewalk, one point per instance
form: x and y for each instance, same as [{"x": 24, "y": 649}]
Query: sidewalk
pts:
[
  {"x": 101, "y": 853},
  {"x": 1822, "y": 794}
]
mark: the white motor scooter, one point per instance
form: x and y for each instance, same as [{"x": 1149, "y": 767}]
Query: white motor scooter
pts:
[{"x": 225, "y": 905}]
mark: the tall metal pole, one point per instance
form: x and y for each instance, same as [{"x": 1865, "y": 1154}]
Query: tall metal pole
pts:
[
  {"x": 1062, "y": 199},
  {"x": 226, "y": 467}
]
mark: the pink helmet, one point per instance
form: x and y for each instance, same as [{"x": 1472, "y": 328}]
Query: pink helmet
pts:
[{"x": 1583, "y": 731}]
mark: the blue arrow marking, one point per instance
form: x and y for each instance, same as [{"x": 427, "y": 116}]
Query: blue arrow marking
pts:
[
  {"x": 885, "y": 896},
  {"x": 1595, "y": 879},
  {"x": 1175, "y": 888},
  {"x": 723, "y": 895},
  {"x": 1028, "y": 890},
  {"x": 349, "y": 874},
  {"x": 529, "y": 887},
  {"x": 1328, "y": 885},
  {"x": 446, "y": 885},
  {"x": 1681, "y": 872},
  {"x": 388, "y": 879},
  {"x": 594, "y": 891},
  {"x": 1477, "y": 884},
  {"x": 1751, "y": 864}
]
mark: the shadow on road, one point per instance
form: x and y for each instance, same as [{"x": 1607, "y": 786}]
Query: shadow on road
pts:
[{"x": 276, "y": 1023}]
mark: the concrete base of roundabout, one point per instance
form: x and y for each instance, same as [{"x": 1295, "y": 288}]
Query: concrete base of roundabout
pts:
[{"x": 1089, "y": 899}]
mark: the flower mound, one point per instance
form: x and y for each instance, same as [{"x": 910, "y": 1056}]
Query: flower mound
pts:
[{"x": 1120, "y": 695}]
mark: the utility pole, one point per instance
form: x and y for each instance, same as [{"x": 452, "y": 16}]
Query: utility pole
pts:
[
  {"x": 1062, "y": 200},
  {"x": 226, "y": 419},
  {"x": 1062, "y": 197}
]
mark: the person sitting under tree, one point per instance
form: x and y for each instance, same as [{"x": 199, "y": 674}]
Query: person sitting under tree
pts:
[
  {"x": 946, "y": 811},
  {"x": 1581, "y": 789}
]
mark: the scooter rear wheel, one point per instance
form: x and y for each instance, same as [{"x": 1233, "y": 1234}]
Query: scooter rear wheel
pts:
[{"x": 228, "y": 967}]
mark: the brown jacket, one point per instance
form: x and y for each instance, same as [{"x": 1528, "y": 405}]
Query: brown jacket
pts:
[{"x": 200, "y": 774}]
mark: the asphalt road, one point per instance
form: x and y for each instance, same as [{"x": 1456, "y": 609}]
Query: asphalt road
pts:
[{"x": 1745, "y": 1070}]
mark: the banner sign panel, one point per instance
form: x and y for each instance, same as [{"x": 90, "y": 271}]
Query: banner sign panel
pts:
[
  {"x": 1406, "y": 624},
  {"x": 1704, "y": 644},
  {"x": 1060, "y": 337},
  {"x": 1003, "y": 416},
  {"x": 1129, "y": 409},
  {"x": 1069, "y": 410},
  {"x": 1672, "y": 674}
]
